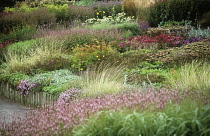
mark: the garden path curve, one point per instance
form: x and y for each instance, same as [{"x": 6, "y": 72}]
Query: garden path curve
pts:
[{"x": 9, "y": 109}]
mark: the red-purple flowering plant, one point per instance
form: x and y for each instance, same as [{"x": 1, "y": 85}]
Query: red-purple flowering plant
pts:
[{"x": 159, "y": 42}]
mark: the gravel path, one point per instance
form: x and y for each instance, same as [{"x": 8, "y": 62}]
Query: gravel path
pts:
[{"x": 9, "y": 109}]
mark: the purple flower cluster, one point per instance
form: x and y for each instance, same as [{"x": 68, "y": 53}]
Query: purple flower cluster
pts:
[
  {"x": 68, "y": 95},
  {"x": 191, "y": 40},
  {"x": 60, "y": 118},
  {"x": 25, "y": 86},
  {"x": 143, "y": 25}
]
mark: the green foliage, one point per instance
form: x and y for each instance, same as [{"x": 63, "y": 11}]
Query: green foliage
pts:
[
  {"x": 61, "y": 11},
  {"x": 45, "y": 54},
  {"x": 175, "y": 120},
  {"x": 80, "y": 13},
  {"x": 55, "y": 81},
  {"x": 38, "y": 3},
  {"x": 22, "y": 8},
  {"x": 21, "y": 19},
  {"x": 22, "y": 46},
  {"x": 148, "y": 73},
  {"x": 193, "y": 76},
  {"x": 199, "y": 32},
  {"x": 19, "y": 34},
  {"x": 84, "y": 2},
  {"x": 177, "y": 10},
  {"x": 180, "y": 55},
  {"x": 174, "y": 23},
  {"x": 133, "y": 28},
  {"x": 87, "y": 54},
  {"x": 13, "y": 79}
]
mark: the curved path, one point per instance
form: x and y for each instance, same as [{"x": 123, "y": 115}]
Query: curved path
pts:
[{"x": 9, "y": 109}]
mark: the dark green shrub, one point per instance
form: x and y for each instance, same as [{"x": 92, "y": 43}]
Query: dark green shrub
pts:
[
  {"x": 19, "y": 33},
  {"x": 205, "y": 20},
  {"x": 177, "y": 10}
]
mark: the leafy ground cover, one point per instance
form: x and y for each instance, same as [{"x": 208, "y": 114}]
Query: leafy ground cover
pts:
[{"x": 108, "y": 66}]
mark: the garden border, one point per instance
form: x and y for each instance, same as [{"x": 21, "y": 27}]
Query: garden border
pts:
[{"x": 35, "y": 99}]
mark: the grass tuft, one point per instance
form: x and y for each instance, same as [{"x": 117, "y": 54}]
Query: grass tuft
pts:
[
  {"x": 104, "y": 79},
  {"x": 193, "y": 76}
]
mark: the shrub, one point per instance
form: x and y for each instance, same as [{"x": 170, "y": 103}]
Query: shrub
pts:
[
  {"x": 85, "y": 36},
  {"x": 125, "y": 27},
  {"x": 19, "y": 34},
  {"x": 87, "y": 54},
  {"x": 21, "y": 8},
  {"x": 177, "y": 10},
  {"x": 39, "y": 3},
  {"x": 13, "y": 79},
  {"x": 180, "y": 55},
  {"x": 148, "y": 73},
  {"x": 80, "y": 13},
  {"x": 21, "y": 19},
  {"x": 61, "y": 11}
]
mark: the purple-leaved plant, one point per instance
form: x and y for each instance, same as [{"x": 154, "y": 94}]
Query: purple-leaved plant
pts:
[
  {"x": 25, "y": 86},
  {"x": 60, "y": 118}
]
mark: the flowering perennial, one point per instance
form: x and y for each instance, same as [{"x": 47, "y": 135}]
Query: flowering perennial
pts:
[
  {"x": 25, "y": 86},
  {"x": 67, "y": 112}
]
